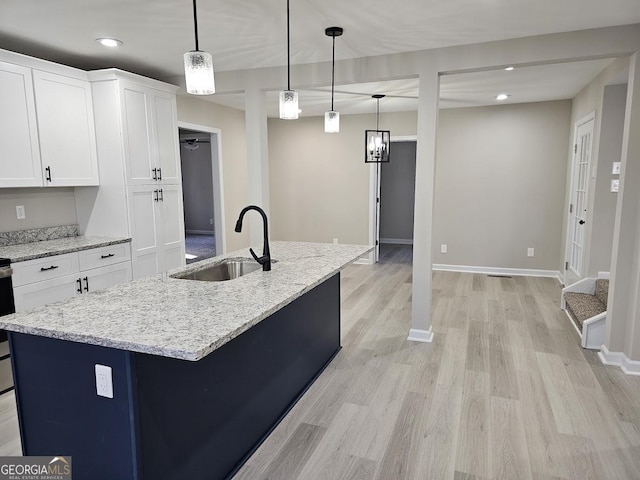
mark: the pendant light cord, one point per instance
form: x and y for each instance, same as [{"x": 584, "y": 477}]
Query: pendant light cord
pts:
[
  {"x": 333, "y": 70},
  {"x": 378, "y": 115},
  {"x": 288, "y": 50},
  {"x": 195, "y": 24}
]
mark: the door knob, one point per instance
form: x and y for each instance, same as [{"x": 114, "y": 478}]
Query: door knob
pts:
[{"x": 581, "y": 222}]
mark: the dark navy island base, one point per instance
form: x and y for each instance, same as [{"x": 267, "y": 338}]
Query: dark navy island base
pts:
[{"x": 172, "y": 419}]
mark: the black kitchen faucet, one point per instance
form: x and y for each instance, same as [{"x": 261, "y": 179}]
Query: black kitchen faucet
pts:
[{"x": 265, "y": 259}]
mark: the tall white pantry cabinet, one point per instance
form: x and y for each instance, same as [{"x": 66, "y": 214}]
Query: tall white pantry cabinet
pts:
[{"x": 140, "y": 192}]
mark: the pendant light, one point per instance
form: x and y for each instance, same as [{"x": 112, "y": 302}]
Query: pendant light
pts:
[
  {"x": 198, "y": 66},
  {"x": 332, "y": 118},
  {"x": 377, "y": 143},
  {"x": 288, "y": 97}
]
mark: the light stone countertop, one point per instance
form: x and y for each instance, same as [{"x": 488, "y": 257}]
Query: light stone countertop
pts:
[
  {"x": 59, "y": 246},
  {"x": 187, "y": 319}
]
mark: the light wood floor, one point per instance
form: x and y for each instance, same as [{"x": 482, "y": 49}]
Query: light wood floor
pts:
[{"x": 504, "y": 391}]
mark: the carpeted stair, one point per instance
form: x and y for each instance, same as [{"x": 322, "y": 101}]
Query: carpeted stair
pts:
[{"x": 583, "y": 306}]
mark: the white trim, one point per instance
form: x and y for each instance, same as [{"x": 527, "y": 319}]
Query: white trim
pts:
[
  {"x": 593, "y": 331},
  {"x": 604, "y": 275},
  {"x": 619, "y": 359},
  {"x": 372, "y": 206},
  {"x": 497, "y": 270},
  {"x": 200, "y": 232},
  {"x": 404, "y": 138},
  {"x": 397, "y": 241},
  {"x": 417, "y": 335},
  {"x": 218, "y": 183}
]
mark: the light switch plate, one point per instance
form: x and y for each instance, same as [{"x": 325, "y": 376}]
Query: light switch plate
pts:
[
  {"x": 615, "y": 185},
  {"x": 443, "y": 248},
  {"x": 20, "y": 213},
  {"x": 615, "y": 170},
  {"x": 104, "y": 381},
  {"x": 530, "y": 252}
]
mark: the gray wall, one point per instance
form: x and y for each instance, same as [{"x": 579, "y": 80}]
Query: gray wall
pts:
[
  {"x": 44, "y": 207},
  {"x": 604, "y": 207},
  {"x": 397, "y": 193},
  {"x": 197, "y": 183},
  {"x": 500, "y": 185}
]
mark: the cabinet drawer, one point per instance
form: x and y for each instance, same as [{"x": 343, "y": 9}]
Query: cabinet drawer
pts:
[
  {"x": 103, "y": 256},
  {"x": 46, "y": 268}
]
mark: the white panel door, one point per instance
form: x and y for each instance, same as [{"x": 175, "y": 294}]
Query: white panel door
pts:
[
  {"x": 105, "y": 277},
  {"x": 146, "y": 246},
  {"x": 166, "y": 138},
  {"x": 137, "y": 136},
  {"x": 38, "y": 294},
  {"x": 66, "y": 130},
  {"x": 19, "y": 148},
  {"x": 579, "y": 201},
  {"x": 172, "y": 226}
]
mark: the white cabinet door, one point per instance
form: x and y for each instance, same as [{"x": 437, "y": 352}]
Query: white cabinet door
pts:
[
  {"x": 38, "y": 294},
  {"x": 172, "y": 226},
  {"x": 144, "y": 225},
  {"x": 137, "y": 136},
  {"x": 166, "y": 142},
  {"x": 19, "y": 149},
  {"x": 66, "y": 130},
  {"x": 105, "y": 277}
]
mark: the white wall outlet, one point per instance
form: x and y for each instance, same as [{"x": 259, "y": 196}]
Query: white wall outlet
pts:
[
  {"x": 615, "y": 170},
  {"x": 20, "y": 213},
  {"x": 211, "y": 221},
  {"x": 443, "y": 248},
  {"x": 335, "y": 240},
  {"x": 615, "y": 185},
  {"x": 104, "y": 381},
  {"x": 530, "y": 252}
]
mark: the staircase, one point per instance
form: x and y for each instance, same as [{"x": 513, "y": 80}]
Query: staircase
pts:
[{"x": 586, "y": 305}]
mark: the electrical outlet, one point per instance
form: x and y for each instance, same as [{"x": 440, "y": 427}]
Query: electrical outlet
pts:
[
  {"x": 615, "y": 170},
  {"x": 530, "y": 252},
  {"x": 211, "y": 221},
  {"x": 335, "y": 240},
  {"x": 20, "y": 213},
  {"x": 443, "y": 248},
  {"x": 104, "y": 381}
]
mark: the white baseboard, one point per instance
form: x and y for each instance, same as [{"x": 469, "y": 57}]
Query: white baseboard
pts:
[
  {"x": 604, "y": 275},
  {"x": 619, "y": 359},
  {"x": 200, "y": 232},
  {"x": 397, "y": 241},
  {"x": 417, "y": 335},
  {"x": 498, "y": 271}
]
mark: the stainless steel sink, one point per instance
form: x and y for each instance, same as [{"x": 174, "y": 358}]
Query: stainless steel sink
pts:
[{"x": 226, "y": 270}]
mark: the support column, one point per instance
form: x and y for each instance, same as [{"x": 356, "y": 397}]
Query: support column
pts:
[
  {"x": 429, "y": 90},
  {"x": 622, "y": 336},
  {"x": 257, "y": 160}
]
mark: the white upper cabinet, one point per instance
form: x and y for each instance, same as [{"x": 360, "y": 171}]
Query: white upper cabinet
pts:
[
  {"x": 19, "y": 149},
  {"x": 47, "y": 132},
  {"x": 150, "y": 135},
  {"x": 66, "y": 130}
]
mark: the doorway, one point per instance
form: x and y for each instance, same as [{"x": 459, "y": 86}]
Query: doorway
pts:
[
  {"x": 201, "y": 188},
  {"x": 393, "y": 197},
  {"x": 579, "y": 194}
]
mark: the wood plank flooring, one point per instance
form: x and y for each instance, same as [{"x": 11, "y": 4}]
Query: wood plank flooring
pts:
[{"x": 503, "y": 392}]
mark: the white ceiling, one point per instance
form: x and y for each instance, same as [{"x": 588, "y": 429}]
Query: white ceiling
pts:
[{"x": 242, "y": 34}]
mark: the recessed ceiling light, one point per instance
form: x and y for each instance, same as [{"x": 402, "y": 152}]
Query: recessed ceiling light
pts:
[
  {"x": 502, "y": 96},
  {"x": 508, "y": 69},
  {"x": 109, "y": 42}
]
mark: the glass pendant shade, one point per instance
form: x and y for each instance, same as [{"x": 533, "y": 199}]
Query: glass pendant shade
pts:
[
  {"x": 198, "y": 72},
  {"x": 331, "y": 121},
  {"x": 289, "y": 105}
]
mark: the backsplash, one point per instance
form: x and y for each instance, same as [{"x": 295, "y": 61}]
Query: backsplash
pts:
[{"x": 38, "y": 235}]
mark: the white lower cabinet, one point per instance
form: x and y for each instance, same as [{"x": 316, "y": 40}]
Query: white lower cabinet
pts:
[
  {"x": 157, "y": 229},
  {"x": 70, "y": 278}
]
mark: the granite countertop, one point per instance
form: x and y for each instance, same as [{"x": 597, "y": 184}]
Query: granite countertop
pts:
[
  {"x": 47, "y": 248},
  {"x": 187, "y": 319}
]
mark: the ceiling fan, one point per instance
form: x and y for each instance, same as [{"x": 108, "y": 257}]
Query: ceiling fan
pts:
[{"x": 192, "y": 144}]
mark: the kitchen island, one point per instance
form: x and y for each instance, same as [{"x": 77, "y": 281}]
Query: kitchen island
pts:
[{"x": 201, "y": 371}]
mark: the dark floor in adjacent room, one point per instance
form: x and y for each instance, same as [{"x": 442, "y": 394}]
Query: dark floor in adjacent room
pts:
[{"x": 199, "y": 245}]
